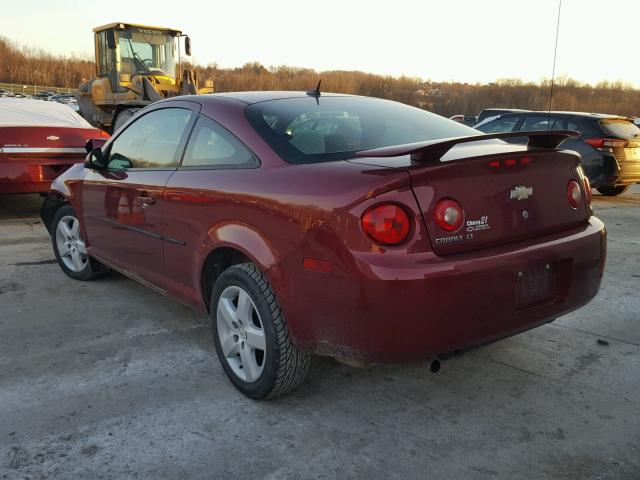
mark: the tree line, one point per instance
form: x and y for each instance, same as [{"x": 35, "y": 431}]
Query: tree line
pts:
[{"x": 32, "y": 66}]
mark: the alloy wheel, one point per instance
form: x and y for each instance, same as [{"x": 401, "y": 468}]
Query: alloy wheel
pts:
[
  {"x": 241, "y": 333},
  {"x": 70, "y": 244}
]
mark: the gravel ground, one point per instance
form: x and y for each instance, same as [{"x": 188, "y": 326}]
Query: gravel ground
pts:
[{"x": 109, "y": 379}]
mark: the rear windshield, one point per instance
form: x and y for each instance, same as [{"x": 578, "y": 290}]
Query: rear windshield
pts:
[
  {"x": 620, "y": 128},
  {"x": 309, "y": 130}
]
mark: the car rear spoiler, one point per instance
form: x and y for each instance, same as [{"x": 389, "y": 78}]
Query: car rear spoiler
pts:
[{"x": 434, "y": 150}]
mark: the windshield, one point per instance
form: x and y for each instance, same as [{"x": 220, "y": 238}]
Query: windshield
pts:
[
  {"x": 147, "y": 52},
  {"x": 308, "y": 130}
]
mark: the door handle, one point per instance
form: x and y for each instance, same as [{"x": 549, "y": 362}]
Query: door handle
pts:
[{"x": 146, "y": 200}]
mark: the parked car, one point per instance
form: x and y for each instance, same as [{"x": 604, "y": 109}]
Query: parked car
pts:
[
  {"x": 39, "y": 141},
  {"x": 609, "y": 145},
  {"x": 494, "y": 112},
  {"x": 464, "y": 119},
  {"x": 333, "y": 225}
]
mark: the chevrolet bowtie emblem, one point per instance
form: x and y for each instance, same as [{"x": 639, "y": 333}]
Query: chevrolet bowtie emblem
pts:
[
  {"x": 53, "y": 137},
  {"x": 521, "y": 193}
]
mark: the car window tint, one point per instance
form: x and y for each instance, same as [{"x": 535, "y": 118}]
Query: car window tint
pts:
[
  {"x": 306, "y": 130},
  {"x": 500, "y": 125},
  {"x": 540, "y": 122},
  {"x": 325, "y": 132},
  {"x": 212, "y": 145},
  {"x": 535, "y": 123},
  {"x": 152, "y": 140}
]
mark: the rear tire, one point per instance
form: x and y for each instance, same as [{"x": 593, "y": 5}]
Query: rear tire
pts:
[
  {"x": 611, "y": 191},
  {"x": 70, "y": 249},
  {"x": 251, "y": 336}
]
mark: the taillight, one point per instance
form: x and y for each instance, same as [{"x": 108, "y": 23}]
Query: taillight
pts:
[
  {"x": 587, "y": 189},
  {"x": 386, "y": 224},
  {"x": 448, "y": 214},
  {"x": 104, "y": 134},
  {"x": 606, "y": 142},
  {"x": 574, "y": 195},
  {"x": 509, "y": 162}
]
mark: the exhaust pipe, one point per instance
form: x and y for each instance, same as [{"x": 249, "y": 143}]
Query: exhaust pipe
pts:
[{"x": 434, "y": 365}]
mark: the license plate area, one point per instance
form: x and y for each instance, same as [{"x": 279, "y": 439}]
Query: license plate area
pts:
[{"x": 535, "y": 285}]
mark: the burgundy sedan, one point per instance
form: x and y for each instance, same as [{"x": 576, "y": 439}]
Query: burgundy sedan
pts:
[
  {"x": 336, "y": 225},
  {"x": 39, "y": 140}
]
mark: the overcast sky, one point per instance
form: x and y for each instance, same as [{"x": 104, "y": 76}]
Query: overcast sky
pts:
[{"x": 461, "y": 40}]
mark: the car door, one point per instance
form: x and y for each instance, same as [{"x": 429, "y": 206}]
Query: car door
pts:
[
  {"x": 123, "y": 207},
  {"x": 216, "y": 177}
]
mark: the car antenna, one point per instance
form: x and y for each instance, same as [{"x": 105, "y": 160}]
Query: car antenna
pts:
[
  {"x": 555, "y": 54},
  {"x": 316, "y": 92}
]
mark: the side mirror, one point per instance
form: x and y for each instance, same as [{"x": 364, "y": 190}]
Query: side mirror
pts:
[
  {"x": 94, "y": 143},
  {"x": 111, "y": 39},
  {"x": 95, "y": 160},
  {"x": 119, "y": 162},
  {"x": 187, "y": 46}
]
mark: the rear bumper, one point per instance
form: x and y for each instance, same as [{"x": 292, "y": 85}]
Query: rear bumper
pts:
[
  {"x": 628, "y": 173},
  {"x": 30, "y": 176},
  {"x": 610, "y": 171},
  {"x": 431, "y": 305}
]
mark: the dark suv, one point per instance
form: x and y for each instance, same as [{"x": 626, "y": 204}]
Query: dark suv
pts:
[{"x": 609, "y": 145}]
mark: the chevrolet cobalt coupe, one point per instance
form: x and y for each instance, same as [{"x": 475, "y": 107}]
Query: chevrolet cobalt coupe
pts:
[{"x": 336, "y": 225}]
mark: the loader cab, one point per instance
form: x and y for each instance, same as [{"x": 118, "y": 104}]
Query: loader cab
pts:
[{"x": 125, "y": 51}]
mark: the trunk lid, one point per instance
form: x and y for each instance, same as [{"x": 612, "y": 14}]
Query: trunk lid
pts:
[
  {"x": 524, "y": 197},
  {"x": 46, "y": 142},
  {"x": 500, "y": 204}
]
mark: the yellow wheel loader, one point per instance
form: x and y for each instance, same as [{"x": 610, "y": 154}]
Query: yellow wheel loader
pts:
[{"x": 135, "y": 65}]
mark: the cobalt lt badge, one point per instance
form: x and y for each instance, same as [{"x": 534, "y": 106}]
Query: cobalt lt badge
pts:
[{"x": 521, "y": 193}]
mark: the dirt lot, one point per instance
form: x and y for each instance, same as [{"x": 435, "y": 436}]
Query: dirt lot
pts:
[{"x": 108, "y": 379}]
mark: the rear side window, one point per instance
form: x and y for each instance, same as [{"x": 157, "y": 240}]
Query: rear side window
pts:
[
  {"x": 308, "y": 129},
  {"x": 500, "y": 125},
  {"x": 152, "y": 140},
  {"x": 211, "y": 145},
  {"x": 620, "y": 128},
  {"x": 534, "y": 123}
]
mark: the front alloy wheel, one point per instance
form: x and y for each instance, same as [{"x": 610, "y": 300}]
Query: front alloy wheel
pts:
[{"x": 69, "y": 246}]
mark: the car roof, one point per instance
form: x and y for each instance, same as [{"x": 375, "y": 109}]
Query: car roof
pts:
[{"x": 263, "y": 96}]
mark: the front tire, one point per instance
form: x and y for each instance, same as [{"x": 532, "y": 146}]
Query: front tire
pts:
[
  {"x": 251, "y": 336},
  {"x": 69, "y": 247},
  {"x": 611, "y": 191}
]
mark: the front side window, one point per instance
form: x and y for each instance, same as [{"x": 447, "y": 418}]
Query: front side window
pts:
[
  {"x": 151, "y": 141},
  {"x": 212, "y": 146},
  {"x": 308, "y": 130}
]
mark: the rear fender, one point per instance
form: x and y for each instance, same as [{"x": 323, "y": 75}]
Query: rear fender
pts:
[{"x": 238, "y": 236}]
